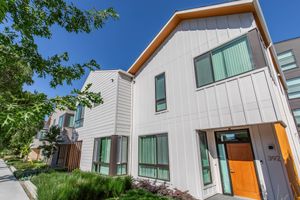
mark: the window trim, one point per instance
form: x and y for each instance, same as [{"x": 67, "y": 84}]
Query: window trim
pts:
[
  {"x": 210, "y": 52},
  {"x": 165, "y": 92},
  {"x": 156, "y": 166},
  {"x": 287, "y": 51},
  {"x": 112, "y": 171},
  {"x": 99, "y": 163},
  {"x": 209, "y": 161}
]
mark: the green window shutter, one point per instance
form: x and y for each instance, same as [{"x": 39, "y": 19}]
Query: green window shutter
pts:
[{"x": 203, "y": 70}]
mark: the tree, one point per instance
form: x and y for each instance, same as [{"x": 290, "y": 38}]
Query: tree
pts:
[
  {"x": 22, "y": 21},
  {"x": 50, "y": 142}
]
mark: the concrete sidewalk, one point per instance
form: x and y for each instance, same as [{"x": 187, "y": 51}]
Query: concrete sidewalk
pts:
[{"x": 10, "y": 188}]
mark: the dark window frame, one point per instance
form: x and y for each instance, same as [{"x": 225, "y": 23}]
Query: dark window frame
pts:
[
  {"x": 156, "y": 166},
  {"x": 295, "y": 62},
  {"x": 209, "y": 164},
  {"x": 164, "y": 100},
  {"x": 98, "y": 163},
  {"x": 112, "y": 156},
  {"x": 210, "y": 53},
  {"x": 79, "y": 122}
]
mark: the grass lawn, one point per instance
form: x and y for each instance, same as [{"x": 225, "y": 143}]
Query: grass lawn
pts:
[{"x": 87, "y": 186}]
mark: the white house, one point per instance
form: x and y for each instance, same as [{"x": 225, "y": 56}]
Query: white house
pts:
[{"x": 203, "y": 108}]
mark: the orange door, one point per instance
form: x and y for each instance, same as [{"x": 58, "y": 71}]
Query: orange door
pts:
[{"x": 242, "y": 170}]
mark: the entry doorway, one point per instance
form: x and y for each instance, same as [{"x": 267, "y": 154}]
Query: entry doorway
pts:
[{"x": 236, "y": 162}]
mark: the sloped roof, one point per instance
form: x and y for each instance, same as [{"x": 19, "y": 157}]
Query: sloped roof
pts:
[{"x": 235, "y": 7}]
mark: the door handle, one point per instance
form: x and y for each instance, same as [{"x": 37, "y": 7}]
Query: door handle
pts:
[{"x": 231, "y": 171}]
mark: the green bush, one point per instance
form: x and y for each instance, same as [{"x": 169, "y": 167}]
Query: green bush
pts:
[{"x": 79, "y": 186}]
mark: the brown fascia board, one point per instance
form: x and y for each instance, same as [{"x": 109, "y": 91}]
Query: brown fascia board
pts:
[{"x": 237, "y": 7}]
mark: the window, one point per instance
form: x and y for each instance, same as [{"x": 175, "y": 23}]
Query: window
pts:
[
  {"x": 102, "y": 155},
  {"x": 61, "y": 121},
  {"x": 69, "y": 120},
  {"x": 229, "y": 60},
  {"x": 160, "y": 93},
  {"x": 79, "y": 116},
  {"x": 154, "y": 157},
  {"x": 54, "y": 122},
  {"x": 205, "y": 163},
  {"x": 122, "y": 146},
  {"x": 110, "y": 155},
  {"x": 293, "y": 88},
  {"x": 297, "y": 116},
  {"x": 287, "y": 60}
]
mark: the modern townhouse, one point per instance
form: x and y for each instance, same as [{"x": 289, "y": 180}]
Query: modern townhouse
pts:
[
  {"x": 69, "y": 150},
  {"x": 288, "y": 52},
  {"x": 204, "y": 108}
]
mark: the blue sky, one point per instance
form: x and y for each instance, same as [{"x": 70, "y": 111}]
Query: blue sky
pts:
[{"x": 120, "y": 42}]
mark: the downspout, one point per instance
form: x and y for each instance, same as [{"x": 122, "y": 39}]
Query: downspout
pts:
[{"x": 131, "y": 125}]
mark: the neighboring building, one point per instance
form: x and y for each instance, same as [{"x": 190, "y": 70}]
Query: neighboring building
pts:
[
  {"x": 104, "y": 130},
  {"x": 64, "y": 157},
  {"x": 36, "y": 153},
  {"x": 204, "y": 108},
  {"x": 289, "y": 56}
]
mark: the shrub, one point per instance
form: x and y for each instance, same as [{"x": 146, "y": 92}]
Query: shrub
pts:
[
  {"x": 79, "y": 186},
  {"x": 162, "y": 190}
]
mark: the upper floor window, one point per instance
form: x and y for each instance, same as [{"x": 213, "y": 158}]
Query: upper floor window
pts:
[
  {"x": 226, "y": 61},
  {"x": 154, "y": 157},
  {"x": 61, "y": 121},
  {"x": 160, "y": 93},
  {"x": 287, "y": 60},
  {"x": 293, "y": 88},
  {"x": 297, "y": 116},
  {"x": 79, "y": 116}
]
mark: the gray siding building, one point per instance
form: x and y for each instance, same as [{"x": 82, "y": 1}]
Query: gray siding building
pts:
[{"x": 289, "y": 57}]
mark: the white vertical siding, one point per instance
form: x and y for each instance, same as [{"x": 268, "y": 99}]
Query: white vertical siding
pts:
[{"x": 224, "y": 104}]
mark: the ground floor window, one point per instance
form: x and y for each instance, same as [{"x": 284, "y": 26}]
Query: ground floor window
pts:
[
  {"x": 154, "y": 157},
  {"x": 110, "y": 155},
  {"x": 101, "y": 161},
  {"x": 205, "y": 163}
]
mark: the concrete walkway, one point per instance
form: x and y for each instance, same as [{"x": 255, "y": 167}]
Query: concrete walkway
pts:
[{"x": 10, "y": 188}]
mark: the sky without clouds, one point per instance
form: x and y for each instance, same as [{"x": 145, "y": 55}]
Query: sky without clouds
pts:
[{"x": 120, "y": 42}]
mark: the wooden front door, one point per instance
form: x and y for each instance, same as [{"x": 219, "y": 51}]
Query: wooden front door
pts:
[{"x": 242, "y": 170}]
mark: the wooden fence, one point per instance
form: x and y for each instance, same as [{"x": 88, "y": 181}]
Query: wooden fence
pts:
[{"x": 69, "y": 155}]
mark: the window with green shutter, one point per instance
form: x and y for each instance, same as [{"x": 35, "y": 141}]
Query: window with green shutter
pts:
[
  {"x": 229, "y": 60},
  {"x": 160, "y": 93},
  {"x": 154, "y": 157}
]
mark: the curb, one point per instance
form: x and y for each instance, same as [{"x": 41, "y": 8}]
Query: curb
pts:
[{"x": 30, "y": 189}]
